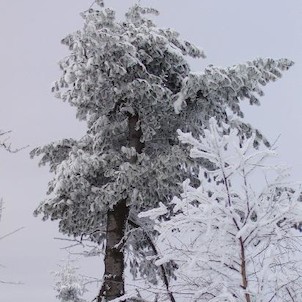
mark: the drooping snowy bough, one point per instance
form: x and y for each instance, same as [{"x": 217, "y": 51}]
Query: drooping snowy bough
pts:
[
  {"x": 132, "y": 84},
  {"x": 234, "y": 236}
]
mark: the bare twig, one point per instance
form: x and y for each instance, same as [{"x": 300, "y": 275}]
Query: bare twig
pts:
[
  {"x": 11, "y": 283},
  {"x": 11, "y": 233},
  {"x": 7, "y": 146}
]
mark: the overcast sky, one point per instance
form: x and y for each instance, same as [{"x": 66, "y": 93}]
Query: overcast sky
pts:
[{"x": 230, "y": 32}]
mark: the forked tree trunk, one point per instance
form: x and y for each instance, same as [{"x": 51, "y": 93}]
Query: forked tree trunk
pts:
[{"x": 113, "y": 282}]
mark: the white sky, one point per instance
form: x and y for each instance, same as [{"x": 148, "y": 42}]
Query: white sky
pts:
[{"x": 230, "y": 32}]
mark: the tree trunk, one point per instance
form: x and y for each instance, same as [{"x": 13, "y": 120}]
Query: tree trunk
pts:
[
  {"x": 113, "y": 283},
  {"x": 243, "y": 270}
]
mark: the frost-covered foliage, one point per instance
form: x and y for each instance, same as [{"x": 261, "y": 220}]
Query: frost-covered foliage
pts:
[
  {"x": 233, "y": 236},
  {"x": 70, "y": 287},
  {"x": 131, "y": 68}
]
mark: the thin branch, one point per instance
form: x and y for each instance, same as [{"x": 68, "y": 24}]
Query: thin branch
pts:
[
  {"x": 11, "y": 233},
  {"x": 154, "y": 249},
  {"x": 290, "y": 294},
  {"x": 243, "y": 270},
  {"x": 8, "y": 147},
  {"x": 11, "y": 283}
]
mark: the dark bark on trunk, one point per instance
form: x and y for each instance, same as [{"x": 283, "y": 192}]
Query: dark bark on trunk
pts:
[
  {"x": 113, "y": 284},
  {"x": 243, "y": 270},
  {"x": 135, "y": 135}
]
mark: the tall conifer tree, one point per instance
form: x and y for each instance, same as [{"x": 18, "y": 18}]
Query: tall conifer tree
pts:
[{"x": 130, "y": 81}]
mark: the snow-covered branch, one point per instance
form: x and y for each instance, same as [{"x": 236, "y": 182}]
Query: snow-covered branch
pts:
[{"x": 233, "y": 236}]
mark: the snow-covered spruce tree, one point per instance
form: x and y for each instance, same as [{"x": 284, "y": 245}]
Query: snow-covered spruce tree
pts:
[
  {"x": 69, "y": 286},
  {"x": 132, "y": 84},
  {"x": 234, "y": 236}
]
